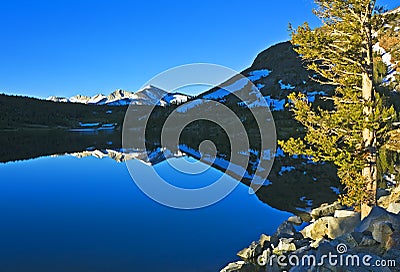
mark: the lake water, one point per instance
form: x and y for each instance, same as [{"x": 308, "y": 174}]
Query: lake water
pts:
[{"x": 86, "y": 214}]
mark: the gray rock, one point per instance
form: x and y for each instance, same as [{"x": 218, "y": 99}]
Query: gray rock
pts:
[
  {"x": 285, "y": 230},
  {"x": 330, "y": 227},
  {"x": 358, "y": 236},
  {"x": 381, "y": 232},
  {"x": 317, "y": 242},
  {"x": 325, "y": 249},
  {"x": 367, "y": 241},
  {"x": 239, "y": 266},
  {"x": 393, "y": 255},
  {"x": 302, "y": 250},
  {"x": 394, "y": 241},
  {"x": 264, "y": 258},
  {"x": 232, "y": 267},
  {"x": 326, "y": 210},
  {"x": 305, "y": 216},
  {"x": 298, "y": 236},
  {"x": 379, "y": 214},
  {"x": 295, "y": 220},
  {"x": 301, "y": 243},
  {"x": 348, "y": 239},
  {"x": 394, "y": 208},
  {"x": 371, "y": 268}
]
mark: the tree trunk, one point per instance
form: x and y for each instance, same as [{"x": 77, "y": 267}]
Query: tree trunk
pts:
[
  {"x": 369, "y": 172},
  {"x": 370, "y": 169}
]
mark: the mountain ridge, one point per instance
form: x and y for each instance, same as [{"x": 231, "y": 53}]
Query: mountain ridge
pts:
[{"x": 149, "y": 95}]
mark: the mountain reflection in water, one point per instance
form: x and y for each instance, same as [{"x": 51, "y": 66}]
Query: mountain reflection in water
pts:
[{"x": 295, "y": 184}]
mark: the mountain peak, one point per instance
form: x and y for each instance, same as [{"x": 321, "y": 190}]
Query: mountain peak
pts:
[{"x": 148, "y": 95}]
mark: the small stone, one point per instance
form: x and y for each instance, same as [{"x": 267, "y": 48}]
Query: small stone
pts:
[{"x": 295, "y": 220}]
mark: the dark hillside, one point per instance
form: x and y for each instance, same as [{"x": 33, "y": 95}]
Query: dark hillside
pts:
[{"x": 19, "y": 112}]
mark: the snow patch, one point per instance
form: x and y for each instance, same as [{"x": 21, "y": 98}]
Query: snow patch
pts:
[
  {"x": 258, "y": 74},
  {"x": 185, "y": 107},
  {"x": 260, "y": 86},
  {"x": 224, "y": 91},
  {"x": 387, "y": 60},
  {"x": 279, "y": 153},
  {"x": 275, "y": 104}
]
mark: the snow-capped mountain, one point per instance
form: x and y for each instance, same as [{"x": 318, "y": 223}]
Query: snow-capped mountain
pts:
[
  {"x": 275, "y": 73},
  {"x": 278, "y": 71},
  {"x": 149, "y": 95}
]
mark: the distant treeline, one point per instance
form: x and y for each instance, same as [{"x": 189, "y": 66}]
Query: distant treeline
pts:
[{"x": 17, "y": 112}]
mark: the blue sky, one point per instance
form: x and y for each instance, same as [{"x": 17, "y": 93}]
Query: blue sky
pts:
[{"x": 83, "y": 46}]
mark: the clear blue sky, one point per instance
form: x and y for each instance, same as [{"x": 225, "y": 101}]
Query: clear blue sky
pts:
[{"x": 66, "y": 47}]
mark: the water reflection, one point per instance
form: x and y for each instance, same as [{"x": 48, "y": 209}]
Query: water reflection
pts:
[
  {"x": 67, "y": 214},
  {"x": 295, "y": 184}
]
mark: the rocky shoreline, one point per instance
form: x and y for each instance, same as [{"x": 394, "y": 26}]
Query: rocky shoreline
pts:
[{"x": 335, "y": 239}]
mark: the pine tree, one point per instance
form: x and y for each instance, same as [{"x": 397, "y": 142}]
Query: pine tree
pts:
[{"x": 351, "y": 130}]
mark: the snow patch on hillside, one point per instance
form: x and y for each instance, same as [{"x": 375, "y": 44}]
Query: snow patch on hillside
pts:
[
  {"x": 387, "y": 60},
  {"x": 258, "y": 74},
  {"x": 260, "y": 86},
  {"x": 185, "y": 107},
  {"x": 226, "y": 90},
  {"x": 275, "y": 104}
]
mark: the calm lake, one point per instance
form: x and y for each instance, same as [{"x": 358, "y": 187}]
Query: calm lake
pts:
[{"x": 64, "y": 213}]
